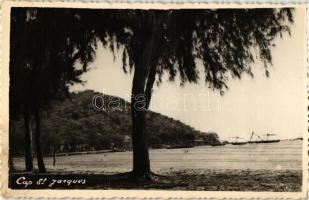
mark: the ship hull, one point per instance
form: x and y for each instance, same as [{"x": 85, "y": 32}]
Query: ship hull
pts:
[
  {"x": 265, "y": 141},
  {"x": 238, "y": 143}
]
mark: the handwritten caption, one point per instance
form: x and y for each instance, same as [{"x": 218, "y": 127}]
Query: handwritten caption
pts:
[{"x": 49, "y": 182}]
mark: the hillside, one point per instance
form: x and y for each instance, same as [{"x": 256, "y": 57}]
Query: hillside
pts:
[{"x": 74, "y": 125}]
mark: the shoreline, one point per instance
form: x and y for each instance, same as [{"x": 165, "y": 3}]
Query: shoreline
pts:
[{"x": 152, "y": 148}]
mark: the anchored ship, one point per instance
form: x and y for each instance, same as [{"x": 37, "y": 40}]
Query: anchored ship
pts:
[{"x": 261, "y": 140}]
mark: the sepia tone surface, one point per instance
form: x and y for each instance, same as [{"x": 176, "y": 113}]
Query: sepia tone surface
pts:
[{"x": 230, "y": 134}]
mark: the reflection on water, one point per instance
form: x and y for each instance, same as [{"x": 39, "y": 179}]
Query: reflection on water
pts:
[{"x": 283, "y": 155}]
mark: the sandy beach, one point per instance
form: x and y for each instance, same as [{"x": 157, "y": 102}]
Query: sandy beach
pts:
[
  {"x": 263, "y": 167},
  {"x": 238, "y": 180}
]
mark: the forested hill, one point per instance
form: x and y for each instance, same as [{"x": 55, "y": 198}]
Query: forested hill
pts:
[{"x": 74, "y": 125}]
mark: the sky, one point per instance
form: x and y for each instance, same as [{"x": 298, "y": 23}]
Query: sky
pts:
[{"x": 274, "y": 105}]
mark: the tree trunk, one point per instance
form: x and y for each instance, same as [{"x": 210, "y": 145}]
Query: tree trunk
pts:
[
  {"x": 11, "y": 164},
  {"x": 28, "y": 141},
  {"x": 155, "y": 58},
  {"x": 12, "y": 130},
  {"x": 150, "y": 81},
  {"x": 141, "y": 162},
  {"x": 54, "y": 157},
  {"x": 39, "y": 153}
]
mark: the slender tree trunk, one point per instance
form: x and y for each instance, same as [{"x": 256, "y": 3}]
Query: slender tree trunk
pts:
[
  {"x": 54, "y": 157},
  {"x": 12, "y": 130},
  {"x": 141, "y": 162},
  {"x": 154, "y": 58},
  {"x": 39, "y": 153},
  {"x": 11, "y": 164},
  {"x": 28, "y": 141},
  {"x": 150, "y": 81}
]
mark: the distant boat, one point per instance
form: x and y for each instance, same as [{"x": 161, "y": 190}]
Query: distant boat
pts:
[
  {"x": 180, "y": 146},
  {"x": 236, "y": 142},
  {"x": 261, "y": 140},
  {"x": 264, "y": 141},
  {"x": 300, "y": 138}
]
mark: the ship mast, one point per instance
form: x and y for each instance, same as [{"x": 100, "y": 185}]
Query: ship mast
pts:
[{"x": 251, "y": 135}]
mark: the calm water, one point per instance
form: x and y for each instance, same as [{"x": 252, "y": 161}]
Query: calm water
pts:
[{"x": 283, "y": 155}]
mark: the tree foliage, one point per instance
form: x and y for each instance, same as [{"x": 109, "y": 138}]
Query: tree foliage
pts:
[
  {"x": 45, "y": 46},
  {"x": 224, "y": 41},
  {"x": 46, "y": 43}
]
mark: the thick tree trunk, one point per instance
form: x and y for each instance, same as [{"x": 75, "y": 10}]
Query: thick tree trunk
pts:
[
  {"x": 28, "y": 141},
  {"x": 141, "y": 162},
  {"x": 39, "y": 153}
]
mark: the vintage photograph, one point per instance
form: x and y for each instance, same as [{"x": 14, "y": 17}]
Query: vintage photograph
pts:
[{"x": 171, "y": 99}]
